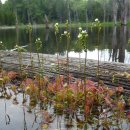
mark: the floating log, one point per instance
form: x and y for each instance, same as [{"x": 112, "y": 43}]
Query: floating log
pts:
[{"x": 108, "y": 71}]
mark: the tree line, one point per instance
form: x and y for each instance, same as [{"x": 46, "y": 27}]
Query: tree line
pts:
[{"x": 39, "y": 11}]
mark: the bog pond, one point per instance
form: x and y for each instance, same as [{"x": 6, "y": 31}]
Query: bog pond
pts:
[
  {"x": 42, "y": 103},
  {"x": 113, "y": 42}
]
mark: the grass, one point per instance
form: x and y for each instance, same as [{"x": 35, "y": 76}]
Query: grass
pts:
[{"x": 62, "y": 25}]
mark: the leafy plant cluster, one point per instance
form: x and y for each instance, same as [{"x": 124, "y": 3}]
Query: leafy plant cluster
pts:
[{"x": 82, "y": 102}]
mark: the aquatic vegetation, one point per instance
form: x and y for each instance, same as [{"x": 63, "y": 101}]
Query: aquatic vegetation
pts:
[
  {"x": 29, "y": 32},
  {"x": 103, "y": 106},
  {"x": 66, "y": 34},
  {"x": 80, "y": 103}
]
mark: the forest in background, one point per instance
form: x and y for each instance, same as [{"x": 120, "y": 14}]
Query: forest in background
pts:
[{"x": 37, "y": 11}]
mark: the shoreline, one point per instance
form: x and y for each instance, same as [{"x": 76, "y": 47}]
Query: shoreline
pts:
[{"x": 62, "y": 25}]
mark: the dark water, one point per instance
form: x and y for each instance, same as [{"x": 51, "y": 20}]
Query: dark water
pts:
[
  {"x": 113, "y": 42},
  {"x": 113, "y": 46}
]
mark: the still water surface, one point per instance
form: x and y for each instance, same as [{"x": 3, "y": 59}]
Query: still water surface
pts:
[
  {"x": 113, "y": 42},
  {"x": 113, "y": 46}
]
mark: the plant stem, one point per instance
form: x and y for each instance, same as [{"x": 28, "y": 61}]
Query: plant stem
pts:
[
  {"x": 98, "y": 60},
  {"x": 68, "y": 41}
]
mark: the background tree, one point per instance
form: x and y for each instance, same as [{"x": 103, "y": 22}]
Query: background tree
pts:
[
  {"x": 124, "y": 11},
  {"x": 33, "y": 11}
]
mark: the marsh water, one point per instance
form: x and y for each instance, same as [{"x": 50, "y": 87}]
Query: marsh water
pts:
[{"x": 112, "y": 44}]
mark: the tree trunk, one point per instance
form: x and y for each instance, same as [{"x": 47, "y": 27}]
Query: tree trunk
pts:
[
  {"x": 115, "y": 10},
  {"x": 124, "y": 11},
  {"x": 46, "y": 22},
  {"x": 17, "y": 27},
  {"x": 77, "y": 16},
  {"x": 104, "y": 11},
  {"x": 69, "y": 13},
  {"x": 129, "y": 11},
  {"x": 28, "y": 13},
  {"x": 104, "y": 16},
  {"x": 86, "y": 15}
]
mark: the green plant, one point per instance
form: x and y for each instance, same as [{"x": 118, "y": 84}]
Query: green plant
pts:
[
  {"x": 29, "y": 32},
  {"x": 2, "y": 46},
  {"x": 56, "y": 29},
  {"x": 97, "y": 26},
  {"x": 68, "y": 38},
  {"x": 129, "y": 41},
  {"x": 38, "y": 44},
  {"x": 20, "y": 50},
  {"x": 82, "y": 39},
  {"x": 85, "y": 104}
]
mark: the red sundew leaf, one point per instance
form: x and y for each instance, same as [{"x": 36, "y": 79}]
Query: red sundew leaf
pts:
[
  {"x": 70, "y": 77},
  {"x": 27, "y": 82},
  {"x": 46, "y": 78},
  {"x": 90, "y": 83},
  {"x": 51, "y": 88},
  {"x": 101, "y": 89},
  {"x": 89, "y": 100},
  {"x": 73, "y": 88},
  {"x": 128, "y": 114},
  {"x": 57, "y": 86},
  {"x": 91, "y": 89},
  {"x": 80, "y": 86},
  {"x": 87, "y": 109},
  {"x": 61, "y": 78},
  {"x": 12, "y": 75},
  {"x": 107, "y": 100}
]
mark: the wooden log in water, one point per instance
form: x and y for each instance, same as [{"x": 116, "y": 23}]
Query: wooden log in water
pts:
[{"x": 48, "y": 64}]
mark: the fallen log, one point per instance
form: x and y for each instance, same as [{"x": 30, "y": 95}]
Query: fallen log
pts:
[{"x": 48, "y": 67}]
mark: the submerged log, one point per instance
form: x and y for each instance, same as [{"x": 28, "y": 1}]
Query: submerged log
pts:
[{"x": 111, "y": 73}]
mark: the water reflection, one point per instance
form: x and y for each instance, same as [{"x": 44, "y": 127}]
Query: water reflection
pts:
[
  {"x": 119, "y": 42},
  {"x": 113, "y": 44},
  {"x": 16, "y": 117},
  {"x": 122, "y": 45}
]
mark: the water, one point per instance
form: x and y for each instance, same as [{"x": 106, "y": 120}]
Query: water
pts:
[
  {"x": 19, "y": 118},
  {"x": 113, "y": 42},
  {"x": 113, "y": 46}
]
